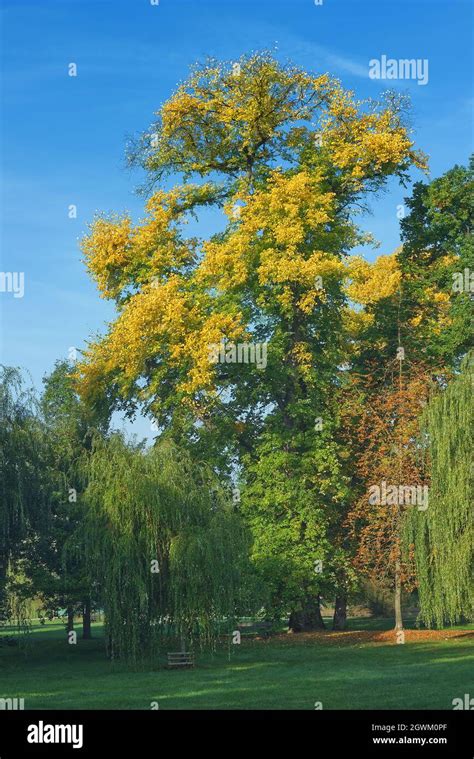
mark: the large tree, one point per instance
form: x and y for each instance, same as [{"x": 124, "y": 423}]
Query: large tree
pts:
[
  {"x": 290, "y": 158},
  {"x": 61, "y": 577}
]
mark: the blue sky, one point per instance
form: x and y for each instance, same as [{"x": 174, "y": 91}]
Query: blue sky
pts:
[{"x": 63, "y": 137}]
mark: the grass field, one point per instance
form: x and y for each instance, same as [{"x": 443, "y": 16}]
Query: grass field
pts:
[{"x": 342, "y": 671}]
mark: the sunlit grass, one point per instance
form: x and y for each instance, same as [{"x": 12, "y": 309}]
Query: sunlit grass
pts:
[{"x": 283, "y": 674}]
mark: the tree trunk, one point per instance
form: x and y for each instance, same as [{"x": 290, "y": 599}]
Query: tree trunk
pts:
[
  {"x": 86, "y": 619},
  {"x": 398, "y": 598},
  {"x": 110, "y": 646},
  {"x": 340, "y": 612},
  {"x": 70, "y": 618},
  {"x": 307, "y": 619}
]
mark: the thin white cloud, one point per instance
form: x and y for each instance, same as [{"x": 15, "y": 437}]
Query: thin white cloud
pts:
[
  {"x": 346, "y": 64},
  {"x": 313, "y": 55}
]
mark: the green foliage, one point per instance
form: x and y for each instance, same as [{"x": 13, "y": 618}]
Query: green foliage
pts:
[
  {"x": 438, "y": 243},
  {"x": 443, "y": 535},
  {"x": 23, "y": 468},
  {"x": 156, "y": 510},
  {"x": 294, "y": 498},
  {"x": 60, "y": 577}
]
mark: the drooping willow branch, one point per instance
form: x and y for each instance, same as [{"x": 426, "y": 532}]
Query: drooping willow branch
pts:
[
  {"x": 443, "y": 535},
  {"x": 163, "y": 544}
]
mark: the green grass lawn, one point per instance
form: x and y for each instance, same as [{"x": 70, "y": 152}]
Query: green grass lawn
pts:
[{"x": 276, "y": 674}]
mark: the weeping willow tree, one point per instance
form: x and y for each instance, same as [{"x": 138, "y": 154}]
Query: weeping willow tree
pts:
[
  {"x": 443, "y": 535},
  {"x": 23, "y": 472},
  {"x": 164, "y": 545}
]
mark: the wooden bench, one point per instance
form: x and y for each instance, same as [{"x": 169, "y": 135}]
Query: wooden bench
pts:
[
  {"x": 263, "y": 629},
  {"x": 180, "y": 659}
]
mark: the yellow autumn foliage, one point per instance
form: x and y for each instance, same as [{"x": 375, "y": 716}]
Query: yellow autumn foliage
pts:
[
  {"x": 282, "y": 256},
  {"x": 118, "y": 254},
  {"x": 370, "y": 282}
]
